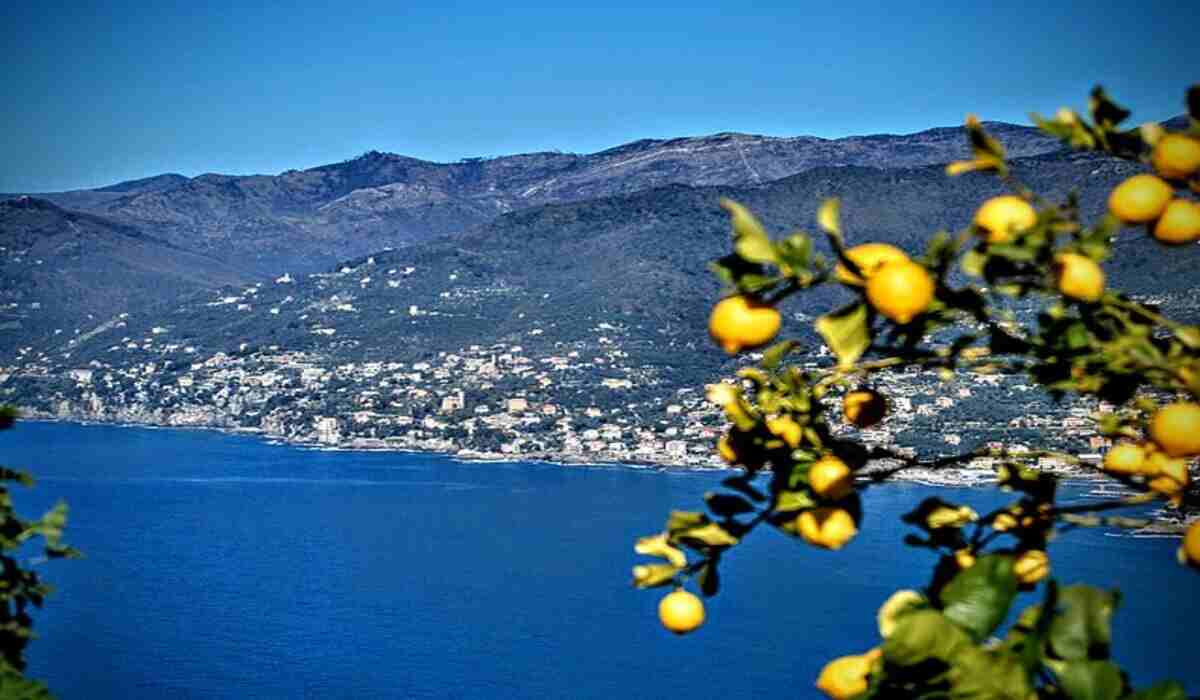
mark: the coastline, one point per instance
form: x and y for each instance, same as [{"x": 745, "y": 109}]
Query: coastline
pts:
[{"x": 1163, "y": 523}]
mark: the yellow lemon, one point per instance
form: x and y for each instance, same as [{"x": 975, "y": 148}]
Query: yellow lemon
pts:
[
  {"x": 681, "y": 611},
  {"x": 738, "y": 323},
  {"x": 864, "y": 407},
  {"x": 830, "y": 478},
  {"x": 1179, "y": 223},
  {"x": 900, "y": 290},
  {"x": 1004, "y": 217},
  {"x": 1079, "y": 277},
  {"x": 868, "y": 257},
  {"x": 1176, "y": 429},
  {"x": 899, "y": 602},
  {"x": 1189, "y": 552},
  {"x": 830, "y": 528},
  {"x": 965, "y": 558},
  {"x": 846, "y": 677},
  {"x": 1032, "y": 566},
  {"x": 1125, "y": 458},
  {"x": 1176, "y": 156},
  {"x": 1140, "y": 199}
]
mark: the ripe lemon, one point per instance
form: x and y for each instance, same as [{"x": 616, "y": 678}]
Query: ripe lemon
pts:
[
  {"x": 1179, "y": 223},
  {"x": 1176, "y": 429},
  {"x": 1140, "y": 199},
  {"x": 681, "y": 611},
  {"x": 900, "y": 290},
  {"x": 965, "y": 558},
  {"x": 1176, "y": 156},
  {"x": 1125, "y": 458},
  {"x": 846, "y": 677},
  {"x": 899, "y": 602},
  {"x": 830, "y": 478},
  {"x": 868, "y": 257},
  {"x": 830, "y": 528},
  {"x": 1004, "y": 217},
  {"x": 864, "y": 407},
  {"x": 1032, "y": 566},
  {"x": 739, "y": 323},
  {"x": 1189, "y": 553},
  {"x": 1079, "y": 277}
]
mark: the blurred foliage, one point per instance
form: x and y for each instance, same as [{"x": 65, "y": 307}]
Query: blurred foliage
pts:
[{"x": 1088, "y": 339}]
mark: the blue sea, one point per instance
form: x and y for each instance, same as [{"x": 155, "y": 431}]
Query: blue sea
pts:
[{"x": 222, "y": 566}]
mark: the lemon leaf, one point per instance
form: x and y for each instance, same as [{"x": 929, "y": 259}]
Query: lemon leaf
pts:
[
  {"x": 978, "y": 598},
  {"x": 791, "y": 501},
  {"x": 1083, "y": 623},
  {"x": 656, "y": 546},
  {"x": 750, "y": 239},
  {"x": 846, "y": 332},
  {"x": 828, "y": 216},
  {"x": 1168, "y": 690},
  {"x": 652, "y": 575},
  {"x": 711, "y": 534},
  {"x": 922, "y": 635},
  {"x": 1089, "y": 679}
]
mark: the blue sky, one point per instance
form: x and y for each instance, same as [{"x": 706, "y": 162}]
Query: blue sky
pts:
[{"x": 98, "y": 91}]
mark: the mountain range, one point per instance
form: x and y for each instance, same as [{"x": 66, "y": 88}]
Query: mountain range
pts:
[{"x": 566, "y": 239}]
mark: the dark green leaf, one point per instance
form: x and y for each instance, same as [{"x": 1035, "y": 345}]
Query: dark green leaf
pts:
[
  {"x": 978, "y": 598},
  {"x": 1089, "y": 680},
  {"x": 1082, "y": 627},
  {"x": 773, "y": 355},
  {"x": 1168, "y": 690},
  {"x": 922, "y": 635},
  {"x": 725, "y": 505}
]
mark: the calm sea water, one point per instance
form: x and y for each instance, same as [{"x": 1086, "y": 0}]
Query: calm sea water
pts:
[{"x": 220, "y": 566}]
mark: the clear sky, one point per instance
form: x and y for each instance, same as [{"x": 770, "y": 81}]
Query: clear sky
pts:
[{"x": 98, "y": 91}]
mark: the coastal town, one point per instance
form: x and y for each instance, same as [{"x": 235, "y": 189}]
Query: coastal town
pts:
[{"x": 587, "y": 403}]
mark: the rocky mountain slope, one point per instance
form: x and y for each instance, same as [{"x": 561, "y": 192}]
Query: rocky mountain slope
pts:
[
  {"x": 549, "y": 275},
  {"x": 66, "y": 270},
  {"x": 306, "y": 219}
]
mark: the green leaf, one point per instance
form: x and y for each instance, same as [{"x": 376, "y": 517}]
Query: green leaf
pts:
[
  {"x": 773, "y": 355},
  {"x": 1082, "y": 629},
  {"x": 1088, "y": 680},
  {"x": 1189, "y": 336},
  {"x": 829, "y": 216},
  {"x": 1167, "y": 690},
  {"x": 790, "y": 501},
  {"x": 685, "y": 519},
  {"x": 711, "y": 534},
  {"x": 1106, "y": 114},
  {"x": 750, "y": 239},
  {"x": 972, "y": 263},
  {"x": 657, "y": 546},
  {"x": 724, "y": 504},
  {"x": 922, "y": 635},
  {"x": 846, "y": 332},
  {"x": 653, "y": 575},
  {"x": 979, "y": 597},
  {"x": 709, "y": 580},
  {"x": 8, "y": 416},
  {"x": 988, "y": 675},
  {"x": 796, "y": 250}
]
